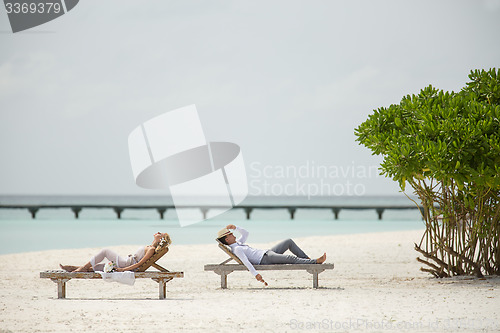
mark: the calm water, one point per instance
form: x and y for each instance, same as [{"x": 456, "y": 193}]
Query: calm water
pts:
[{"x": 58, "y": 229}]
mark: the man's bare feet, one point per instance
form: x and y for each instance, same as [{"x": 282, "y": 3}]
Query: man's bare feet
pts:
[
  {"x": 321, "y": 259},
  {"x": 68, "y": 268}
]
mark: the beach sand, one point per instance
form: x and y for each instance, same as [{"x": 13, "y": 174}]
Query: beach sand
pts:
[{"x": 376, "y": 286}]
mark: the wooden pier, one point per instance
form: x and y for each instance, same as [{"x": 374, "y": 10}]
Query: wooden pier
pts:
[{"x": 248, "y": 209}]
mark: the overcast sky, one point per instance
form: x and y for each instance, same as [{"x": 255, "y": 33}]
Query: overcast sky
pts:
[{"x": 288, "y": 81}]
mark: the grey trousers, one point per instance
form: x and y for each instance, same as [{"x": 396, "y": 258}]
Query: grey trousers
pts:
[{"x": 275, "y": 254}]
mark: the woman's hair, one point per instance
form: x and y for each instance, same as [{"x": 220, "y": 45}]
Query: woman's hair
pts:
[
  {"x": 164, "y": 242},
  {"x": 223, "y": 240}
]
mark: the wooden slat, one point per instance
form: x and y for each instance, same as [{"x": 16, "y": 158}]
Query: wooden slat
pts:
[
  {"x": 93, "y": 275},
  {"x": 279, "y": 267}
]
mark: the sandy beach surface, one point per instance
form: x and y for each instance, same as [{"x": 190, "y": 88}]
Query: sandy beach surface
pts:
[{"x": 376, "y": 286}]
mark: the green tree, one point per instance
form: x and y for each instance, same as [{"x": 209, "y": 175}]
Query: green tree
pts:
[{"x": 446, "y": 147}]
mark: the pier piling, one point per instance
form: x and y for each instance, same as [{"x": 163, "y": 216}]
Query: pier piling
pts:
[
  {"x": 161, "y": 211},
  {"x": 76, "y": 210},
  {"x": 380, "y": 211},
  {"x": 248, "y": 211},
  {"x": 336, "y": 212},
  {"x": 118, "y": 211},
  {"x": 33, "y": 211}
]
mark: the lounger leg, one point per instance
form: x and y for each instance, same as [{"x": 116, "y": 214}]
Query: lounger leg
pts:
[
  {"x": 162, "y": 287},
  {"x": 223, "y": 276},
  {"x": 61, "y": 287},
  {"x": 315, "y": 273},
  {"x": 223, "y": 280}
]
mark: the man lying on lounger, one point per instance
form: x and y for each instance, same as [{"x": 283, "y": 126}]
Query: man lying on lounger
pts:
[{"x": 250, "y": 256}]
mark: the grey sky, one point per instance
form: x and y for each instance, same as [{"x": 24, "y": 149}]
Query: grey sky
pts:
[{"x": 286, "y": 80}]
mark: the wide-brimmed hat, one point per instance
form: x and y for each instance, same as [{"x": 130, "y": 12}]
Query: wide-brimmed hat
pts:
[{"x": 223, "y": 232}]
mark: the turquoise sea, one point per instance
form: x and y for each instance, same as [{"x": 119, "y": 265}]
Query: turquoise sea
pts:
[{"x": 58, "y": 228}]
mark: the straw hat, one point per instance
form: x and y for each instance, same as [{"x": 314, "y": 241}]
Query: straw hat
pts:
[{"x": 223, "y": 232}]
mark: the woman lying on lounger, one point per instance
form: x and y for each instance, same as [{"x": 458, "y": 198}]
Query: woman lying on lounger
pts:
[{"x": 130, "y": 263}]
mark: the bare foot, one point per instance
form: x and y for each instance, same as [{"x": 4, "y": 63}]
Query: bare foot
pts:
[
  {"x": 321, "y": 259},
  {"x": 68, "y": 268}
]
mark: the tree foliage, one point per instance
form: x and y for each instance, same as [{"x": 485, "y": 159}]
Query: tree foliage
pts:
[{"x": 446, "y": 146}]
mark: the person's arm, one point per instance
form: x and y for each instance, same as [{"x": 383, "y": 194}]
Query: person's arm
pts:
[
  {"x": 149, "y": 253},
  {"x": 244, "y": 235},
  {"x": 238, "y": 251},
  {"x": 243, "y": 257}
]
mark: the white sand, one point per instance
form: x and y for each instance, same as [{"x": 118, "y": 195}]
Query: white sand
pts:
[{"x": 376, "y": 286}]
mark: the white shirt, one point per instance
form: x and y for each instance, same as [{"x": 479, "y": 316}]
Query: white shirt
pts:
[{"x": 248, "y": 255}]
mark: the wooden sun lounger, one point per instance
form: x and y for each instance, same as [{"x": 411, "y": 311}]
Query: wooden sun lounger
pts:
[
  {"x": 61, "y": 277},
  {"x": 163, "y": 276},
  {"x": 224, "y": 269}
]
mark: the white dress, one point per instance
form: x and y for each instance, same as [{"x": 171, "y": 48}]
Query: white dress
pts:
[{"x": 110, "y": 255}]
